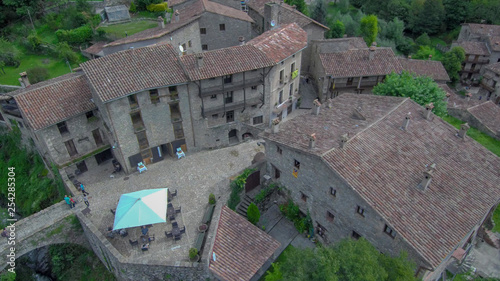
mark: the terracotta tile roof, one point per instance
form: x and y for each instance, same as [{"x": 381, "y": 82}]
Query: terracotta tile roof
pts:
[
  {"x": 356, "y": 62},
  {"x": 484, "y": 29},
  {"x": 225, "y": 61},
  {"x": 474, "y": 48},
  {"x": 457, "y": 101},
  {"x": 340, "y": 44},
  {"x": 216, "y": 8},
  {"x": 240, "y": 247},
  {"x": 489, "y": 114},
  {"x": 172, "y": 3},
  {"x": 55, "y": 101},
  {"x": 287, "y": 13},
  {"x": 117, "y": 75},
  {"x": 384, "y": 165},
  {"x": 494, "y": 42},
  {"x": 495, "y": 67},
  {"x": 430, "y": 68},
  {"x": 96, "y": 48},
  {"x": 280, "y": 43}
]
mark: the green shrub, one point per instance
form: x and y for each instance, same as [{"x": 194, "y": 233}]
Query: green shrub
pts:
[
  {"x": 65, "y": 52},
  {"x": 9, "y": 53},
  {"x": 75, "y": 36},
  {"x": 193, "y": 252},
  {"x": 423, "y": 40},
  {"x": 211, "y": 199},
  {"x": 253, "y": 213},
  {"x": 236, "y": 187},
  {"x": 142, "y": 4},
  {"x": 132, "y": 8},
  {"x": 162, "y": 7},
  {"x": 34, "y": 41},
  {"x": 37, "y": 74},
  {"x": 264, "y": 193}
]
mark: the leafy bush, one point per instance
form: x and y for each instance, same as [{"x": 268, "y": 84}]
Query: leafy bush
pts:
[
  {"x": 423, "y": 40},
  {"x": 142, "y": 4},
  {"x": 34, "y": 41},
  {"x": 211, "y": 199},
  {"x": 253, "y": 213},
  {"x": 263, "y": 193},
  {"x": 424, "y": 52},
  {"x": 162, "y": 7},
  {"x": 75, "y": 36},
  {"x": 65, "y": 52},
  {"x": 236, "y": 187},
  {"x": 132, "y": 8},
  {"x": 292, "y": 212},
  {"x": 37, "y": 74},
  {"x": 9, "y": 53},
  {"x": 193, "y": 252}
]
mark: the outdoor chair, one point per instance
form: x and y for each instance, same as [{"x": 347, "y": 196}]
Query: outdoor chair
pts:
[
  {"x": 177, "y": 238},
  {"x": 170, "y": 205},
  {"x": 183, "y": 229},
  {"x": 178, "y": 210},
  {"x": 151, "y": 238},
  {"x": 133, "y": 243},
  {"x": 169, "y": 234},
  {"x": 172, "y": 217},
  {"x": 175, "y": 225},
  {"x": 123, "y": 233},
  {"x": 174, "y": 193}
]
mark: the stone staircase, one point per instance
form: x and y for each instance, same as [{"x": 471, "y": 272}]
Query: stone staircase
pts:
[
  {"x": 243, "y": 206},
  {"x": 491, "y": 239},
  {"x": 467, "y": 264}
]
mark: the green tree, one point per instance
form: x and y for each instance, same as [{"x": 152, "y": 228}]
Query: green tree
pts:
[
  {"x": 253, "y": 213},
  {"x": 37, "y": 74},
  {"x": 369, "y": 29},
  {"x": 9, "y": 54},
  {"x": 34, "y": 41},
  {"x": 424, "y": 52},
  {"x": 65, "y": 52},
  {"x": 456, "y": 12},
  {"x": 395, "y": 30},
  {"x": 484, "y": 10},
  {"x": 423, "y": 90},
  {"x": 275, "y": 274},
  {"x": 452, "y": 62},
  {"x": 431, "y": 18},
  {"x": 2, "y": 65},
  {"x": 343, "y": 6},
  {"x": 423, "y": 40},
  {"x": 133, "y": 8},
  {"x": 319, "y": 11},
  {"x": 142, "y": 4},
  {"x": 299, "y": 4},
  {"x": 337, "y": 30}
]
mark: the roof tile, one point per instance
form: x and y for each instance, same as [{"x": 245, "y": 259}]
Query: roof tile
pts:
[
  {"x": 430, "y": 68},
  {"x": 474, "y": 48}
]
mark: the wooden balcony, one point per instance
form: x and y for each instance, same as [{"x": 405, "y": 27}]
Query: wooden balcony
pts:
[
  {"x": 232, "y": 106},
  {"x": 234, "y": 86}
]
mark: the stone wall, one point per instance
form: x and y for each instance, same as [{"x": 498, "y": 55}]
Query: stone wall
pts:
[
  {"x": 8, "y": 88},
  {"x": 466, "y": 116},
  {"x": 216, "y": 38}
]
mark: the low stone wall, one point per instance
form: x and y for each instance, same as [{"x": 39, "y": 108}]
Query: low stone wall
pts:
[
  {"x": 8, "y": 88},
  {"x": 466, "y": 116}
]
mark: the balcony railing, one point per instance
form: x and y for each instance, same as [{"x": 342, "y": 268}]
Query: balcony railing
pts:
[
  {"x": 232, "y": 106},
  {"x": 236, "y": 85}
]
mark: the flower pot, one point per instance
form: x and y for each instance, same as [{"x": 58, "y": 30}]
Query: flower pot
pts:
[
  {"x": 202, "y": 228},
  {"x": 196, "y": 259}
]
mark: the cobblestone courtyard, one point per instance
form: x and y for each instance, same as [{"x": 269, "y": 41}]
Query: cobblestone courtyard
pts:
[{"x": 194, "y": 178}]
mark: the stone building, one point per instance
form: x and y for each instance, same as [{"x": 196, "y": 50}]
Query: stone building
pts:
[
  {"x": 481, "y": 43},
  {"x": 59, "y": 117},
  {"x": 346, "y": 65},
  {"x": 489, "y": 82},
  {"x": 266, "y": 12},
  {"x": 200, "y": 26},
  {"x": 388, "y": 170}
]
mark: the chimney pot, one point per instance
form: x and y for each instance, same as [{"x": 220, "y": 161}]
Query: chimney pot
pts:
[
  {"x": 316, "y": 107},
  {"x": 199, "y": 60},
  {"x": 161, "y": 23},
  {"x": 409, "y": 57},
  {"x": 371, "y": 54},
  {"x": 25, "y": 81},
  {"x": 430, "y": 57},
  {"x": 312, "y": 141},
  {"x": 427, "y": 178},
  {"x": 242, "y": 40},
  {"x": 275, "y": 126},
  {"x": 428, "y": 110},
  {"x": 406, "y": 122},
  {"x": 343, "y": 140},
  {"x": 463, "y": 130},
  {"x": 177, "y": 17}
]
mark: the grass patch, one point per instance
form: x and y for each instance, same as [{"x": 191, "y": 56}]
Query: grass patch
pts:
[
  {"x": 56, "y": 67},
  {"x": 117, "y": 31},
  {"x": 435, "y": 40},
  {"x": 490, "y": 143},
  {"x": 55, "y": 231},
  {"x": 496, "y": 219}
]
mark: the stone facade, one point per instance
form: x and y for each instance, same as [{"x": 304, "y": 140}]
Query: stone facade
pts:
[
  {"x": 222, "y": 31},
  {"x": 489, "y": 83}
]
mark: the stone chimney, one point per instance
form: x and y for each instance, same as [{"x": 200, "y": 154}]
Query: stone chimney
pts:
[
  {"x": 177, "y": 15},
  {"x": 448, "y": 95},
  {"x": 25, "y": 82},
  {"x": 463, "y": 130},
  {"x": 161, "y": 23},
  {"x": 316, "y": 107},
  {"x": 199, "y": 60},
  {"x": 428, "y": 111},
  {"x": 406, "y": 122},
  {"x": 294, "y": 7},
  {"x": 242, "y": 40},
  {"x": 427, "y": 178},
  {"x": 343, "y": 140},
  {"x": 468, "y": 96},
  {"x": 409, "y": 57},
  {"x": 430, "y": 57},
  {"x": 373, "y": 47},
  {"x": 271, "y": 14},
  {"x": 275, "y": 128},
  {"x": 312, "y": 141}
]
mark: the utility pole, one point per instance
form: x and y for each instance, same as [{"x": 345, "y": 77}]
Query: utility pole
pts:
[{"x": 29, "y": 14}]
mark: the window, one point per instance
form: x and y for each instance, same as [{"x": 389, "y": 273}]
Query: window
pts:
[
  {"x": 303, "y": 197},
  {"x": 355, "y": 235},
  {"x": 292, "y": 67},
  {"x": 213, "y": 97},
  {"x": 153, "y": 95},
  {"x": 349, "y": 81},
  {"x": 132, "y": 100},
  {"x": 277, "y": 173},
  {"x": 230, "y": 116},
  {"x": 321, "y": 231},
  {"x": 254, "y": 87},
  {"x": 390, "y": 231},
  {"x": 280, "y": 97},
  {"x": 222, "y": 27},
  {"x": 89, "y": 114},
  {"x": 296, "y": 164},
  {"x": 97, "y": 137},
  {"x": 291, "y": 90},
  {"x": 178, "y": 130},
  {"x": 258, "y": 120},
  {"x": 137, "y": 121},
  {"x": 70, "y": 146},
  {"x": 184, "y": 47},
  {"x": 329, "y": 216},
  {"x": 142, "y": 139},
  {"x": 229, "y": 97},
  {"x": 228, "y": 79},
  {"x": 204, "y": 47},
  {"x": 62, "y": 128},
  {"x": 360, "y": 211},
  {"x": 174, "y": 95},
  {"x": 282, "y": 76},
  {"x": 333, "y": 192},
  {"x": 279, "y": 150},
  {"x": 215, "y": 116},
  {"x": 203, "y": 30},
  {"x": 189, "y": 44}
]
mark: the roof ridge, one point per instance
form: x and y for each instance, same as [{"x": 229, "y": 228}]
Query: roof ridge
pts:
[
  {"x": 290, "y": 8},
  {"x": 70, "y": 75}
]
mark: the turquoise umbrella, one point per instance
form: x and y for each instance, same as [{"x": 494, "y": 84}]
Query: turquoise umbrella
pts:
[{"x": 143, "y": 207}]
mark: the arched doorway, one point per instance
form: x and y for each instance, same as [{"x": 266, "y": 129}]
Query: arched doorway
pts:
[
  {"x": 233, "y": 136},
  {"x": 247, "y": 136}
]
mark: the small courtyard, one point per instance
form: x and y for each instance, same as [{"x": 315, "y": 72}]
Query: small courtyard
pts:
[{"x": 194, "y": 178}]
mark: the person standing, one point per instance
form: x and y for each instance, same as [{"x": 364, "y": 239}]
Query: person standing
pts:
[
  {"x": 72, "y": 201},
  {"x": 82, "y": 187},
  {"x": 86, "y": 200},
  {"x": 66, "y": 198}
]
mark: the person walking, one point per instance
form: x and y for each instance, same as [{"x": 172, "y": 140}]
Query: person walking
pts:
[
  {"x": 66, "y": 198},
  {"x": 72, "y": 201},
  {"x": 82, "y": 187},
  {"x": 86, "y": 200}
]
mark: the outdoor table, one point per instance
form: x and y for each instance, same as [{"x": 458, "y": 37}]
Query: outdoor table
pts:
[
  {"x": 145, "y": 238},
  {"x": 176, "y": 231}
]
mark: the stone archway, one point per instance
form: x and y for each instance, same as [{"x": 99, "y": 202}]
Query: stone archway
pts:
[
  {"x": 233, "y": 137},
  {"x": 247, "y": 136}
]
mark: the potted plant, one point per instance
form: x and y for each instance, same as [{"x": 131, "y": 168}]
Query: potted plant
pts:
[
  {"x": 202, "y": 228},
  {"x": 211, "y": 199},
  {"x": 193, "y": 255}
]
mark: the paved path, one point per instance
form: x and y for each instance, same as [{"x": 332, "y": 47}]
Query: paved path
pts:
[{"x": 487, "y": 261}]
